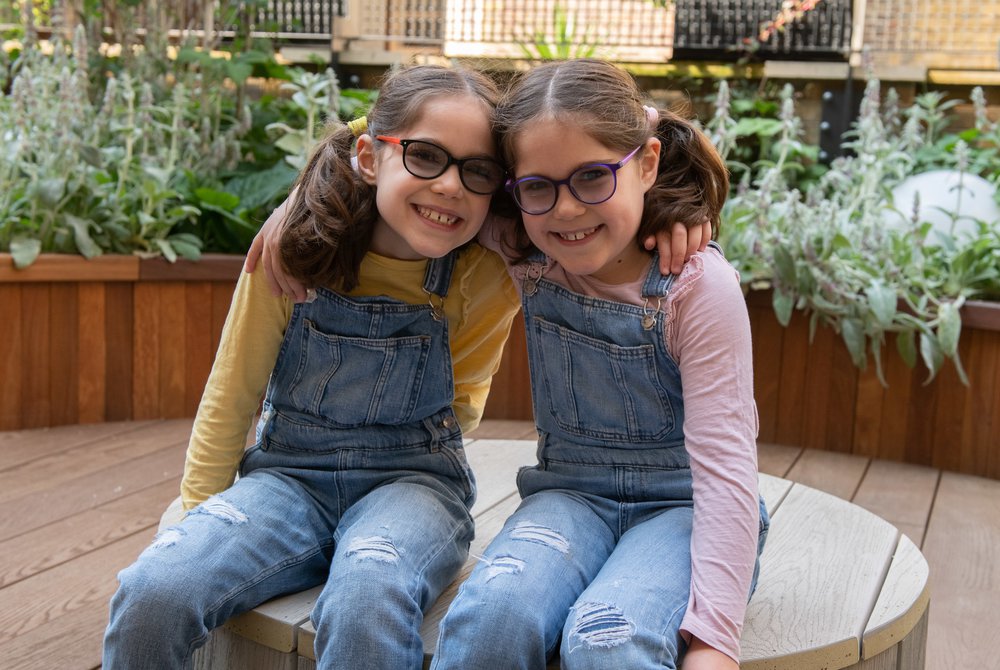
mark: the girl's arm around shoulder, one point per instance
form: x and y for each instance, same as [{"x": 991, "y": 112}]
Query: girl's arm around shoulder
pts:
[
  {"x": 710, "y": 339},
  {"x": 489, "y": 303},
  {"x": 247, "y": 352}
]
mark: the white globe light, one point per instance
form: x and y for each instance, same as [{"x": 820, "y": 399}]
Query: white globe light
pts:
[{"x": 945, "y": 196}]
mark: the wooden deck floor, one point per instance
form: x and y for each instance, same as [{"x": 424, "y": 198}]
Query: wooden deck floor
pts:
[{"x": 81, "y": 502}]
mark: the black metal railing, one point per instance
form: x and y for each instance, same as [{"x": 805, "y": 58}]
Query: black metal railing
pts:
[{"x": 720, "y": 28}]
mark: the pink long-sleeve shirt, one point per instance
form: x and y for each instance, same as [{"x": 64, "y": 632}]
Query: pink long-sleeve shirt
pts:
[{"x": 707, "y": 331}]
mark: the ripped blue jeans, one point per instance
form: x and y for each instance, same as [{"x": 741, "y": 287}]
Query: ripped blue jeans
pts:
[
  {"x": 266, "y": 536},
  {"x": 559, "y": 577}
]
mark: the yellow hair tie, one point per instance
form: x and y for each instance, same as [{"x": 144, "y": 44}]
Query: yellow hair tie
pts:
[{"x": 358, "y": 126}]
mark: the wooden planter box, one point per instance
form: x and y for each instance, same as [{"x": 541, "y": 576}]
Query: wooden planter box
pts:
[
  {"x": 108, "y": 339},
  {"x": 119, "y": 338},
  {"x": 812, "y": 395}
]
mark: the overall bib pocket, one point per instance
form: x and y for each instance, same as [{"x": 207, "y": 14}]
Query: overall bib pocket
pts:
[
  {"x": 356, "y": 381},
  {"x": 601, "y": 390}
]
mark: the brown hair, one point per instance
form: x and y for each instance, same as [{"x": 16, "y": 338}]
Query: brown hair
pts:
[
  {"x": 692, "y": 181},
  {"x": 329, "y": 224}
]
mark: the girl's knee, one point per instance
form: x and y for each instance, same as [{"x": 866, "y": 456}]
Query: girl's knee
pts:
[{"x": 598, "y": 635}]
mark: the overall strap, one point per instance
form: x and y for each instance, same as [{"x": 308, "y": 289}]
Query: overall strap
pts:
[
  {"x": 657, "y": 285},
  {"x": 437, "y": 278}
]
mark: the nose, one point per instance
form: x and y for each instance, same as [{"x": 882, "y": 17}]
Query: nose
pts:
[
  {"x": 448, "y": 183},
  {"x": 567, "y": 206}
]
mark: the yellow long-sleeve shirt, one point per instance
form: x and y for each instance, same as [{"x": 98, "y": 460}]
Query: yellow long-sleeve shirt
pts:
[{"x": 480, "y": 307}]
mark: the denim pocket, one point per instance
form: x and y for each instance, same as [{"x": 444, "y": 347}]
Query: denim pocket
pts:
[
  {"x": 602, "y": 390},
  {"x": 357, "y": 381}
]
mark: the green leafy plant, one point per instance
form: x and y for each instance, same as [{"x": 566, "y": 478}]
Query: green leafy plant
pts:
[
  {"x": 93, "y": 171},
  {"x": 827, "y": 249},
  {"x": 561, "y": 41}
]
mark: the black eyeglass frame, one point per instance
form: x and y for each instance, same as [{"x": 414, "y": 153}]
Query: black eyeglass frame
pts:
[
  {"x": 512, "y": 184},
  {"x": 460, "y": 162}
]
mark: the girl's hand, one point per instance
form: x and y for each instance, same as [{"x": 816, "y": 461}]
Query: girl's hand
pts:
[
  {"x": 700, "y": 656},
  {"x": 266, "y": 250},
  {"x": 677, "y": 246}
]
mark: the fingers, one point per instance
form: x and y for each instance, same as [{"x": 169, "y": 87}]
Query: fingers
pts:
[
  {"x": 706, "y": 237},
  {"x": 680, "y": 238}
]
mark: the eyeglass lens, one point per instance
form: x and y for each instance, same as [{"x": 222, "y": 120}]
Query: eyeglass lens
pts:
[
  {"x": 426, "y": 160},
  {"x": 591, "y": 184}
]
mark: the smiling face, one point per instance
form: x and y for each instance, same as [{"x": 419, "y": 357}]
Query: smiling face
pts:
[
  {"x": 427, "y": 218},
  {"x": 596, "y": 240}
]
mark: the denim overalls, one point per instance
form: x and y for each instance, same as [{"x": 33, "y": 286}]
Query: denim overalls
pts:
[
  {"x": 358, "y": 479},
  {"x": 603, "y": 533}
]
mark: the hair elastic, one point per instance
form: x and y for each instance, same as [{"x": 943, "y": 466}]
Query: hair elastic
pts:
[
  {"x": 652, "y": 115},
  {"x": 358, "y": 126}
]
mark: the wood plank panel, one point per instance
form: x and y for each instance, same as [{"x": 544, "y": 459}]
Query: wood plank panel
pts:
[
  {"x": 146, "y": 351},
  {"x": 510, "y": 391},
  {"x": 495, "y": 464},
  {"x": 980, "y": 422},
  {"x": 918, "y": 444},
  {"x": 38, "y": 601},
  {"x": 832, "y": 472},
  {"x": 767, "y": 336},
  {"x": 838, "y": 433},
  {"x": 949, "y": 412},
  {"x": 63, "y": 370},
  {"x": 795, "y": 354},
  {"x": 172, "y": 354},
  {"x": 198, "y": 351},
  {"x": 776, "y": 459},
  {"x": 869, "y": 394},
  {"x": 119, "y": 320},
  {"x": 23, "y": 446},
  {"x": 11, "y": 357},
  {"x": 52, "y": 471},
  {"x": 70, "y": 268},
  {"x": 36, "y": 410},
  {"x": 70, "y": 538},
  {"x": 509, "y": 429},
  {"x": 92, "y": 362},
  {"x": 962, "y": 547},
  {"x": 895, "y": 407},
  {"x": 900, "y": 493},
  {"x": 39, "y": 508},
  {"x": 815, "y": 400}
]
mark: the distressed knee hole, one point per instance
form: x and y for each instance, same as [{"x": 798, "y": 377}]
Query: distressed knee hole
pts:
[
  {"x": 221, "y": 509},
  {"x": 503, "y": 565},
  {"x": 600, "y": 625},
  {"x": 167, "y": 538},
  {"x": 530, "y": 532},
  {"x": 374, "y": 548}
]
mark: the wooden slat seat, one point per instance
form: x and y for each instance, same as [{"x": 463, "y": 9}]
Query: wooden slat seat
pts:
[{"x": 839, "y": 586}]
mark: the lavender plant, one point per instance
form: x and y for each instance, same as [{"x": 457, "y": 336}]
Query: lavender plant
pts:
[
  {"x": 98, "y": 170},
  {"x": 828, "y": 251}
]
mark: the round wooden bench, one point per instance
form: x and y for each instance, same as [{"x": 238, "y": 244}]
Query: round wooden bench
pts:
[{"x": 839, "y": 587}]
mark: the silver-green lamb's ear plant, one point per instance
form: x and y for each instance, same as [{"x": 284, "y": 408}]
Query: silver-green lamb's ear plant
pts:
[
  {"x": 831, "y": 253},
  {"x": 318, "y": 95},
  {"x": 94, "y": 171}
]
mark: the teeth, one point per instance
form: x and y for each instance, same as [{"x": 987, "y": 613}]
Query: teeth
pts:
[
  {"x": 437, "y": 216},
  {"x": 572, "y": 237}
]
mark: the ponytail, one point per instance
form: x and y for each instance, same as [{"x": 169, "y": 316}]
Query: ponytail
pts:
[
  {"x": 330, "y": 221},
  {"x": 692, "y": 180}
]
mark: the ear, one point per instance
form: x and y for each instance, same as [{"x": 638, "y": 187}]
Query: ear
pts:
[
  {"x": 649, "y": 163},
  {"x": 367, "y": 168}
]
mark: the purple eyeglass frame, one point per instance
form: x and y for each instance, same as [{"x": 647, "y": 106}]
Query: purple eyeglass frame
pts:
[{"x": 512, "y": 184}]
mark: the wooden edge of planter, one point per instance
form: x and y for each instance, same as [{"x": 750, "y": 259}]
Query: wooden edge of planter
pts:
[
  {"x": 70, "y": 267},
  {"x": 981, "y": 314}
]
